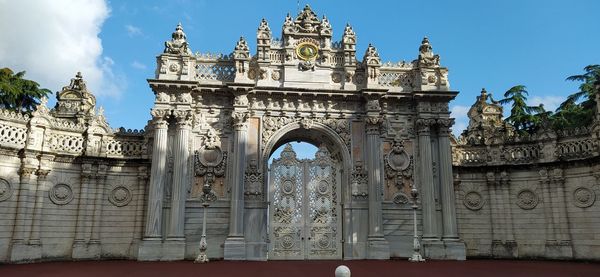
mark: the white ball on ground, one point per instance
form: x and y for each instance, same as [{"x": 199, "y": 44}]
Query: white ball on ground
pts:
[{"x": 342, "y": 271}]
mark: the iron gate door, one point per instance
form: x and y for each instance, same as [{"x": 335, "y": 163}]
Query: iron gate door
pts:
[{"x": 304, "y": 215}]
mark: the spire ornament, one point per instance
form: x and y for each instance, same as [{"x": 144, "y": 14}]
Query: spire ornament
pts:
[
  {"x": 426, "y": 56},
  {"x": 178, "y": 44}
]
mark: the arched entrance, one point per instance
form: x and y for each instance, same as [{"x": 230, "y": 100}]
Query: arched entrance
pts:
[
  {"x": 306, "y": 196},
  {"x": 304, "y": 214}
]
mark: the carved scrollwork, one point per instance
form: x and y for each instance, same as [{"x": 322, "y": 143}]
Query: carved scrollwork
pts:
[
  {"x": 423, "y": 125},
  {"x": 473, "y": 200},
  {"x": 209, "y": 163},
  {"x": 399, "y": 165},
  {"x": 253, "y": 182},
  {"x": 184, "y": 118},
  {"x": 400, "y": 198},
  {"x": 271, "y": 124},
  {"x": 239, "y": 119},
  {"x": 359, "y": 181}
]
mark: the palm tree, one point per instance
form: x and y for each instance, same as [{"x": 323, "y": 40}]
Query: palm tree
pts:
[
  {"x": 17, "y": 93},
  {"x": 521, "y": 115}
]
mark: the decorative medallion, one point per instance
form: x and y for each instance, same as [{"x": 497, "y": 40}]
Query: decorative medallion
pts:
[
  {"x": 276, "y": 75},
  {"x": 288, "y": 187},
  {"x": 120, "y": 196},
  {"x": 400, "y": 198},
  {"x": 323, "y": 187},
  {"x": 174, "y": 67},
  {"x": 5, "y": 190},
  {"x": 336, "y": 77},
  {"x": 307, "y": 51},
  {"x": 527, "y": 199},
  {"x": 61, "y": 194},
  {"x": 473, "y": 200},
  {"x": 583, "y": 197},
  {"x": 287, "y": 241},
  {"x": 323, "y": 242}
]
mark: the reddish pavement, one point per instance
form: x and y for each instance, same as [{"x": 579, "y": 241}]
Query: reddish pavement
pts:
[{"x": 303, "y": 268}]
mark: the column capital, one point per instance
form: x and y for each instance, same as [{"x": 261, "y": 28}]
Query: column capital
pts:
[
  {"x": 373, "y": 124},
  {"x": 159, "y": 118},
  {"x": 42, "y": 173},
  {"x": 239, "y": 119},
  {"x": 444, "y": 125},
  {"x": 184, "y": 118},
  {"x": 424, "y": 125}
]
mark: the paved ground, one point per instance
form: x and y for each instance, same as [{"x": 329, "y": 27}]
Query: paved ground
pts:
[{"x": 300, "y": 268}]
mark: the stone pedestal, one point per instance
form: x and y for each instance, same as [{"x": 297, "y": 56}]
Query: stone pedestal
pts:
[
  {"x": 86, "y": 251},
  {"x": 558, "y": 250},
  {"x": 235, "y": 249},
  {"x": 173, "y": 249},
  {"x": 23, "y": 252},
  {"x": 378, "y": 249},
  {"x": 444, "y": 250},
  {"x": 507, "y": 249},
  {"x": 150, "y": 250}
]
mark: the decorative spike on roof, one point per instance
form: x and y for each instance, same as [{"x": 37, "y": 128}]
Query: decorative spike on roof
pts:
[
  {"x": 178, "y": 44},
  {"x": 426, "y": 56},
  {"x": 75, "y": 99}
]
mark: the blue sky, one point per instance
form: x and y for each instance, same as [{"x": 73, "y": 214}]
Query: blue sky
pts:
[{"x": 491, "y": 44}]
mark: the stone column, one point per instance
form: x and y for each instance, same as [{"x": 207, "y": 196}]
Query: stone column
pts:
[
  {"x": 176, "y": 236},
  {"x": 150, "y": 248},
  {"x": 426, "y": 177},
  {"x": 235, "y": 244},
  {"x": 377, "y": 245},
  {"x": 447, "y": 189}
]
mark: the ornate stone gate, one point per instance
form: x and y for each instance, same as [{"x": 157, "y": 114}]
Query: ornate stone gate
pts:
[
  {"x": 304, "y": 217},
  {"x": 224, "y": 115}
]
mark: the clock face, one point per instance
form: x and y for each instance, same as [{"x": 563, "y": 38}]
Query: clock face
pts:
[{"x": 307, "y": 51}]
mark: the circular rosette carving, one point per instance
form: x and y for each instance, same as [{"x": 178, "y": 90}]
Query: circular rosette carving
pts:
[
  {"x": 120, "y": 196},
  {"x": 61, "y": 194},
  {"x": 584, "y": 197},
  {"x": 400, "y": 198},
  {"x": 287, "y": 241},
  {"x": 5, "y": 190},
  {"x": 323, "y": 241},
  {"x": 527, "y": 199},
  {"x": 473, "y": 200}
]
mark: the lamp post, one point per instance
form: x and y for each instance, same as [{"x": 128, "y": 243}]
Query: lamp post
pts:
[
  {"x": 416, "y": 256},
  {"x": 207, "y": 196}
]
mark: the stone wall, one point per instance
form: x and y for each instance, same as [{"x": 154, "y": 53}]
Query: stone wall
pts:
[{"x": 526, "y": 195}]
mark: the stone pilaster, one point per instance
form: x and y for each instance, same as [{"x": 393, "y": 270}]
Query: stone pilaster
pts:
[
  {"x": 34, "y": 238},
  {"x": 175, "y": 236},
  {"x": 426, "y": 177},
  {"x": 84, "y": 214},
  {"x": 377, "y": 245},
  {"x": 235, "y": 244},
  {"x": 151, "y": 246},
  {"x": 139, "y": 210},
  {"x": 20, "y": 249},
  {"x": 560, "y": 247},
  {"x": 454, "y": 247}
]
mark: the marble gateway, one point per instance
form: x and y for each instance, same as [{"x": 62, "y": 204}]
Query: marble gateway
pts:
[{"x": 71, "y": 187}]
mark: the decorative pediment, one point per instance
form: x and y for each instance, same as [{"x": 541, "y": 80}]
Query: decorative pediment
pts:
[{"x": 75, "y": 100}]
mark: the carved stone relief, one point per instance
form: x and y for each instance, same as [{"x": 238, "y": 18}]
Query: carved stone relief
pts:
[
  {"x": 271, "y": 124},
  {"x": 527, "y": 199},
  {"x": 398, "y": 172},
  {"x": 471, "y": 196},
  {"x": 120, "y": 196},
  {"x": 253, "y": 182},
  {"x": 359, "y": 181},
  {"x": 6, "y": 190},
  {"x": 583, "y": 197},
  {"x": 61, "y": 194}
]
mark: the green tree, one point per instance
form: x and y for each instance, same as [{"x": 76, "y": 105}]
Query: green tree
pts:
[
  {"x": 17, "y": 93},
  {"x": 578, "y": 109},
  {"x": 521, "y": 116}
]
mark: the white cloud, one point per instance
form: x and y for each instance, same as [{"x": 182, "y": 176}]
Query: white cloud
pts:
[
  {"x": 550, "y": 102},
  {"x": 462, "y": 120},
  {"x": 133, "y": 30},
  {"x": 52, "y": 40},
  {"x": 138, "y": 65}
]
